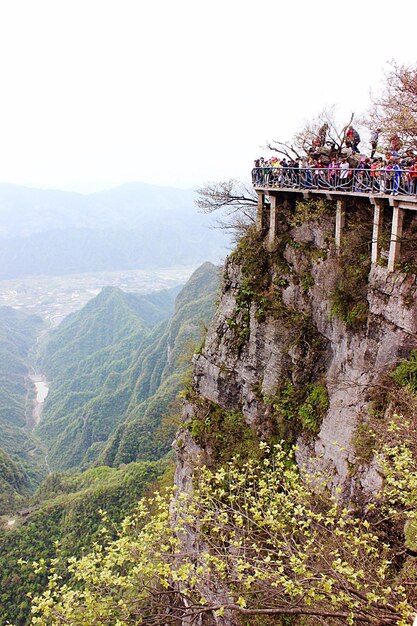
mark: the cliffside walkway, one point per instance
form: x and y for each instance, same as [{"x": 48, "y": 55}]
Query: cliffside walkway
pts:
[{"x": 388, "y": 189}]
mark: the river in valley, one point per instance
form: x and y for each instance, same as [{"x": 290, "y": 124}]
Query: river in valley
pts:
[{"x": 42, "y": 389}]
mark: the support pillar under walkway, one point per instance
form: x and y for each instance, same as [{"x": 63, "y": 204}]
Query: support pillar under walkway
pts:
[
  {"x": 377, "y": 230},
  {"x": 278, "y": 202},
  {"x": 340, "y": 222},
  {"x": 396, "y": 236}
]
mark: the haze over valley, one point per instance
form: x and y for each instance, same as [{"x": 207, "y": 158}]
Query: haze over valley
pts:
[
  {"x": 134, "y": 226},
  {"x": 55, "y": 297},
  {"x": 58, "y": 249}
]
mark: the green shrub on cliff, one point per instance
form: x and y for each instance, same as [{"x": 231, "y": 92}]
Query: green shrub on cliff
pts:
[
  {"x": 224, "y": 432},
  {"x": 299, "y": 407},
  {"x": 406, "y": 372}
]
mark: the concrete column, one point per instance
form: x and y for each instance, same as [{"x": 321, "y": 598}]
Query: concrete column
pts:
[
  {"x": 377, "y": 230},
  {"x": 260, "y": 213},
  {"x": 396, "y": 236},
  {"x": 340, "y": 222},
  {"x": 273, "y": 222}
]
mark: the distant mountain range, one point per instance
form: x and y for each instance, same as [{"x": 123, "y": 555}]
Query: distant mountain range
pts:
[{"x": 135, "y": 226}]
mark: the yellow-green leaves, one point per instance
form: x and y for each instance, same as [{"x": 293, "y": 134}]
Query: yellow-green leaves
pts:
[{"x": 246, "y": 538}]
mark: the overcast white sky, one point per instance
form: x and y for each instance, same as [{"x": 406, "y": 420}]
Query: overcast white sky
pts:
[{"x": 99, "y": 92}]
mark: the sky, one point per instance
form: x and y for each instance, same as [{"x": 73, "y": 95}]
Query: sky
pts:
[{"x": 95, "y": 93}]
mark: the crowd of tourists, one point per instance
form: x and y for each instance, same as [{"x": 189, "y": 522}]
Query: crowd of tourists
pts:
[{"x": 391, "y": 174}]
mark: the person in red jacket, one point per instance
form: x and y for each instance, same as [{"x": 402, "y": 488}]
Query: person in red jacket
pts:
[
  {"x": 395, "y": 145},
  {"x": 412, "y": 175},
  {"x": 352, "y": 139}
]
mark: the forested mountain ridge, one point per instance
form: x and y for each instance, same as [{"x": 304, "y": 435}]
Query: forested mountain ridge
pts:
[
  {"x": 135, "y": 226},
  {"x": 160, "y": 375},
  {"x": 111, "y": 317},
  {"x": 20, "y": 453},
  {"x": 106, "y": 361},
  {"x": 87, "y": 359},
  {"x": 65, "y": 520}
]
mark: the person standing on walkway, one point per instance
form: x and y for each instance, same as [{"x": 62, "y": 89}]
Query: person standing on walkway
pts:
[
  {"x": 344, "y": 175},
  {"x": 352, "y": 139},
  {"x": 374, "y": 175},
  {"x": 374, "y": 141},
  {"x": 323, "y": 134},
  {"x": 413, "y": 179},
  {"x": 397, "y": 177},
  {"x": 333, "y": 173}
]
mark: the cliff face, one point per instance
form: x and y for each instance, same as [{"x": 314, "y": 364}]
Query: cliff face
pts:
[{"x": 302, "y": 345}]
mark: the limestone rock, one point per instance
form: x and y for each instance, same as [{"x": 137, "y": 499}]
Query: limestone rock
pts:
[
  {"x": 241, "y": 373},
  {"x": 250, "y": 354}
]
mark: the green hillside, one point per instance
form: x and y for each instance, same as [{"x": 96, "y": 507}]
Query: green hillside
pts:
[
  {"x": 66, "y": 520},
  {"x": 164, "y": 361},
  {"x": 87, "y": 358},
  {"x": 107, "y": 363},
  {"x": 14, "y": 482},
  {"x": 21, "y": 461}
]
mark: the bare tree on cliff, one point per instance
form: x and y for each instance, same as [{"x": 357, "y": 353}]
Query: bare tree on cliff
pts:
[
  {"x": 395, "y": 110},
  {"x": 235, "y": 201},
  {"x": 310, "y": 137}
]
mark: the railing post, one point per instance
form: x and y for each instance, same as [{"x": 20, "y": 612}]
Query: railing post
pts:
[
  {"x": 377, "y": 230},
  {"x": 260, "y": 213},
  {"x": 340, "y": 222},
  {"x": 396, "y": 236}
]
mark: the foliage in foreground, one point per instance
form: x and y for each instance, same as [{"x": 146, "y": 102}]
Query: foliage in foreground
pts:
[
  {"x": 251, "y": 541},
  {"x": 66, "y": 520}
]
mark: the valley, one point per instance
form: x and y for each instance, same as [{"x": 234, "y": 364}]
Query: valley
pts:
[
  {"x": 91, "y": 398},
  {"x": 55, "y": 297},
  {"x": 41, "y": 391}
]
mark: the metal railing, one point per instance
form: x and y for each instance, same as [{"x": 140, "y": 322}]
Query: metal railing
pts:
[{"x": 402, "y": 181}]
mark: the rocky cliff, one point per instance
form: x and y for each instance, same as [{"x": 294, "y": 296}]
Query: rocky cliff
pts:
[{"x": 301, "y": 348}]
